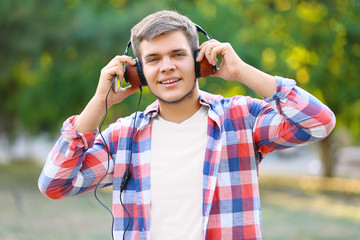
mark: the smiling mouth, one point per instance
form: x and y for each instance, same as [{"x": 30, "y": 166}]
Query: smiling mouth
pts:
[{"x": 170, "y": 81}]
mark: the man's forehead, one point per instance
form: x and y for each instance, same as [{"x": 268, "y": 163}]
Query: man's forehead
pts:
[{"x": 167, "y": 42}]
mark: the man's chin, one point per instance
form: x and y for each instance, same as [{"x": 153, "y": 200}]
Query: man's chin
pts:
[
  {"x": 172, "y": 99},
  {"x": 177, "y": 98}
]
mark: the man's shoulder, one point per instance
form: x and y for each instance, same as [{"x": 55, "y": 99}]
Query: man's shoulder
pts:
[
  {"x": 216, "y": 99},
  {"x": 210, "y": 96},
  {"x": 127, "y": 122}
]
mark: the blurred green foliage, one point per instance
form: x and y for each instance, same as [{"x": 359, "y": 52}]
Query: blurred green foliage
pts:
[{"x": 51, "y": 52}]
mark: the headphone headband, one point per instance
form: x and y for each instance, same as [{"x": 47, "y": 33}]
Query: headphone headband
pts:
[
  {"x": 198, "y": 28},
  {"x": 128, "y": 45}
]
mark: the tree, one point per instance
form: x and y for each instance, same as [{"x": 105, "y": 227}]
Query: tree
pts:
[
  {"x": 314, "y": 42},
  {"x": 51, "y": 56},
  {"x": 51, "y": 53}
]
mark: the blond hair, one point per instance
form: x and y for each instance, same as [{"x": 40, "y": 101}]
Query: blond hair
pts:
[{"x": 160, "y": 23}]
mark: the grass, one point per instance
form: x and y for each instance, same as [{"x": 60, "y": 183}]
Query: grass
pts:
[
  {"x": 288, "y": 212},
  {"x": 27, "y": 214},
  {"x": 293, "y": 214}
]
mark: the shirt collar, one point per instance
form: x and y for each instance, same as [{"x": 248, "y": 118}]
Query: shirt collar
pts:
[{"x": 206, "y": 99}]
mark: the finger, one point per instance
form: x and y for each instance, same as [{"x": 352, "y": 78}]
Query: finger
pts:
[
  {"x": 125, "y": 59},
  {"x": 127, "y": 91},
  {"x": 211, "y": 52},
  {"x": 204, "y": 48},
  {"x": 123, "y": 93},
  {"x": 205, "y": 51},
  {"x": 200, "y": 55},
  {"x": 211, "y": 41},
  {"x": 117, "y": 66},
  {"x": 109, "y": 73},
  {"x": 131, "y": 89},
  {"x": 208, "y": 53},
  {"x": 119, "y": 60},
  {"x": 112, "y": 62},
  {"x": 214, "y": 53}
]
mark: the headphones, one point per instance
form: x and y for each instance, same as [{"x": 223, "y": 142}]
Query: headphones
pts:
[{"x": 135, "y": 75}]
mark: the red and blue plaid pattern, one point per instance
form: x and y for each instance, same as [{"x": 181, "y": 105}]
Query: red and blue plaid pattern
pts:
[{"x": 241, "y": 131}]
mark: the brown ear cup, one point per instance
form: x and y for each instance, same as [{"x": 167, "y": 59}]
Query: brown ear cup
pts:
[
  {"x": 134, "y": 74},
  {"x": 206, "y": 69},
  {"x": 131, "y": 75},
  {"x": 203, "y": 69}
]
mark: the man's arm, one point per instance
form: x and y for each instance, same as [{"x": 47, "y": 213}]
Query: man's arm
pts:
[
  {"x": 232, "y": 68},
  {"x": 75, "y": 164},
  {"x": 290, "y": 117},
  {"x": 91, "y": 116},
  {"x": 78, "y": 161}
]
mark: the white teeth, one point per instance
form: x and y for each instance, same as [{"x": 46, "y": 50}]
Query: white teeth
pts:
[{"x": 170, "y": 81}]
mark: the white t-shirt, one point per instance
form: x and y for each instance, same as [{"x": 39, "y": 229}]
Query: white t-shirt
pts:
[{"x": 177, "y": 159}]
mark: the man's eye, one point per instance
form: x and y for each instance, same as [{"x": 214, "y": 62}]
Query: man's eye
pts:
[
  {"x": 180, "y": 54},
  {"x": 149, "y": 60}
]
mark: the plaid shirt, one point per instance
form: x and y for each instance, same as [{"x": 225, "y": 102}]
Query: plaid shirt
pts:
[{"x": 241, "y": 131}]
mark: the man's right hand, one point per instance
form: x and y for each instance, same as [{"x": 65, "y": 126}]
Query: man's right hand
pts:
[
  {"x": 90, "y": 117},
  {"x": 115, "y": 66}
]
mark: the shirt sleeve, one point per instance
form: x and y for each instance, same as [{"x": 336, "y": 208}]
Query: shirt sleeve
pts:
[
  {"x": 291, "y": 117},
  {"x": 76, "y": 163}
]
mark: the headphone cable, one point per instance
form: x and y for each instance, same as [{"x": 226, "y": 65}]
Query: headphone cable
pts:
[
  {"x": 127, "y": 172},
  {"x": 108, "y": 160}
]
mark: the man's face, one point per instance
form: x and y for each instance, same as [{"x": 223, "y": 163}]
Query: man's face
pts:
[{"x": 168, "y": 66}]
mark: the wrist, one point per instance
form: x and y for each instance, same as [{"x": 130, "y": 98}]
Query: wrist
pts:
[
  {"x": 242, "y": 72},
  {"x": 262, "y": 83},
  {"x": 91, "y": 116},
  {"x": 98, "y": 102}
]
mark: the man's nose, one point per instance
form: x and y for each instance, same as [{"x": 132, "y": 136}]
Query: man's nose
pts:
[{"x": 167, "y": 65}]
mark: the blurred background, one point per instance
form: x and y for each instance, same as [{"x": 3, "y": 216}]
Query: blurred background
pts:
[{"x": 51, "y": 54}]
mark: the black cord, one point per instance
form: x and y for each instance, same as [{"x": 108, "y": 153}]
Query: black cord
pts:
[
  {"x": 127, "y": 173},
  {"x": 108, "y": 161}
]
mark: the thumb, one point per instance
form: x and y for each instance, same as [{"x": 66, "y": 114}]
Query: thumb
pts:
[{"x": 129, "y": 90}]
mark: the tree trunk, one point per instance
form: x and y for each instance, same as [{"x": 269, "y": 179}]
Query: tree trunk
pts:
[{"x": 329, "y": 151}]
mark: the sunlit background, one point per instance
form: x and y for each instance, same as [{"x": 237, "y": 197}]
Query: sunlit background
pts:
[{"x": 51, "y": 54}]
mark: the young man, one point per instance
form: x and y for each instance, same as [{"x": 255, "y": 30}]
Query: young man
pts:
[{"x": 195, "y": 156}]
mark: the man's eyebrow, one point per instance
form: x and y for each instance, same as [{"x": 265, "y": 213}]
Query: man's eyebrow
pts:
[
  {"x": 179, "y": 50},
  {"x": 172, "y": 51},
  {"x": 150, "y": 55}
]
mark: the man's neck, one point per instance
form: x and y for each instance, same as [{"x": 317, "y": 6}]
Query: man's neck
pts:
[{"x": 179, "y": 112}]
